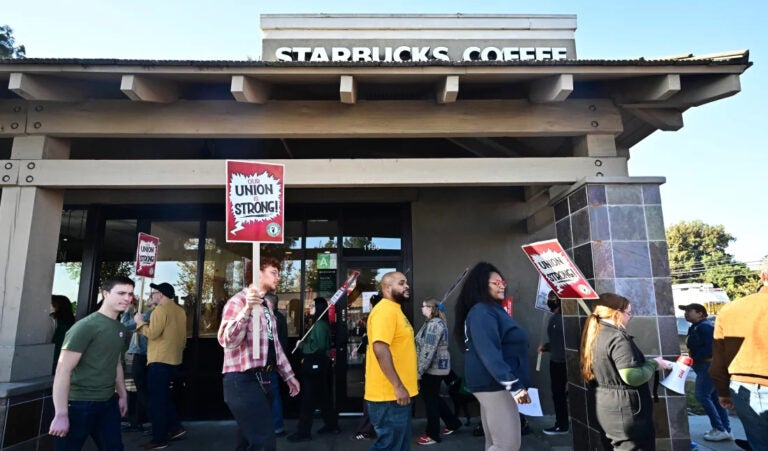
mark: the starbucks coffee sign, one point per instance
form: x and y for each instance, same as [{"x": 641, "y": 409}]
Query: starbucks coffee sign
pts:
[
  {"x": 420, "y": 38},
  {"x": 416, "y": 53}
]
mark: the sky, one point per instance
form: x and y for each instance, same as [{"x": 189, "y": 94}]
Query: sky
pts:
[{"x": 711, "y": 165}]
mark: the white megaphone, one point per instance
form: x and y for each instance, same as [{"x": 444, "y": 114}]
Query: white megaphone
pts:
[{"x": 676, "y": 379}]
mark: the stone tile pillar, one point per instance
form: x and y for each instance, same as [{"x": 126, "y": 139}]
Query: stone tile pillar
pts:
[{"x": 614, "y": 231}]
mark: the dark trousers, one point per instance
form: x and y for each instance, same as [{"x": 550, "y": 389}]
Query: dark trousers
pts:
[
  {"x": 251, "y": 406},
  {"x": 436, "y": 408},
  {"x": 316, "y": 390},
  {"x": 162, "y": 411},
  {"x": 99, "y": 420},
  {"x": 558, "y": 376},
  {"x": 626, "y": 416},
  {"x": 138, "y": 412},
  {"x": 277, "y": 402}
]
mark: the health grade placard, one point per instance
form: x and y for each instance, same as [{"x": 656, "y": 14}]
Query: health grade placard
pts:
[{"x": 255, "y": 197}]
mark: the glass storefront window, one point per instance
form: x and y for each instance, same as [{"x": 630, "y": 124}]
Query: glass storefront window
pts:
[
  {"x": 119, "y": 252},
  {"x": 177, "y": 262},
  {"x": 227, "y": 270},
  {"x": 69, "y": 256}
]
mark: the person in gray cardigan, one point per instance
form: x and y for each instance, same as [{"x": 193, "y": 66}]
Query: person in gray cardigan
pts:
[{"x": 434, "y": 363}]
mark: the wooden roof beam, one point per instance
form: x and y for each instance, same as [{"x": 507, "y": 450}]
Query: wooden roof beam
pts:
[
  {"x": 648, "y": 89},
  {"x": 348, "y": 89},
  {"x": 313, "y": 173},
  {"x": 249, "y": 90},
  {"x": 666, "y": 119},
  {"x": 292, "y": 119},
  {"x": 706, "y": 89},
  {"x": 141, "y": 88},
  {"x": 551, "y": 89},
  {"x": 46, "y": 88},
  {"x": 448, "y": 89}
]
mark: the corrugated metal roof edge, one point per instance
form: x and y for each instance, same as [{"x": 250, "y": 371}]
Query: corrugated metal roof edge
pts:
[{"x": 741, "y": 59}]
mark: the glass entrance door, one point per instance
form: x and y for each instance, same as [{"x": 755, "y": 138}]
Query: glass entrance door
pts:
[{"x": 351, "y": 340}]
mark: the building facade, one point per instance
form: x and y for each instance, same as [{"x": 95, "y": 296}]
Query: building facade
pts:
[{"x": 415, "y": 143}]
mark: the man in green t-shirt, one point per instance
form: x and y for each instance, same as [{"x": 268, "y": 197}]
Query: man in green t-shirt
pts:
[
  {"x": 89, "y": 395},
  {"x": 391, "y": 377}
]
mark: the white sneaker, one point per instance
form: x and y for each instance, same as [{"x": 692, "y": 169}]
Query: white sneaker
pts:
[{"x": 716, "y": 435}]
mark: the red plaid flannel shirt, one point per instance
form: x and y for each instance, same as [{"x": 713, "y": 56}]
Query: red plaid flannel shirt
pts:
[{"x": 236, "y": 337}]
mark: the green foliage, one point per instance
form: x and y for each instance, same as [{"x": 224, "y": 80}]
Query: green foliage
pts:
[
  {"x": 697, "y": 255},
  {"x": 8, "y": 49}
]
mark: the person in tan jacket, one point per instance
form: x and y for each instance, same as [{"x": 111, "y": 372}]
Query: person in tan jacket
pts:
[
  {"x": 167, "y": 335},
  {"x": 739, "y": 365}
]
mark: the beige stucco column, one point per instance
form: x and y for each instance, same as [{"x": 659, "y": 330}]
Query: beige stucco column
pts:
[{"x": 30, "y": 219}]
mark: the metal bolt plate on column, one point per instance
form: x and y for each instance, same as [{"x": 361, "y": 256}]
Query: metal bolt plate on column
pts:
[{"x": 9, "y": 172}]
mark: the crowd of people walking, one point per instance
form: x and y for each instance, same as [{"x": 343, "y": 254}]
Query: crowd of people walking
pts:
[{"x": 90, "y": 396}]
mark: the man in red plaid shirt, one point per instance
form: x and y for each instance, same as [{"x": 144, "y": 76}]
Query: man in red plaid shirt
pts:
[{"x": 248, "y": 334}]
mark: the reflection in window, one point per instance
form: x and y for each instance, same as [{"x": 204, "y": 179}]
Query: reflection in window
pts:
[
  {"x": 227, "y": 270},
  {"x": 69, "y": 256},
  {"x": 177, "y": 263},
  {"x": 119, "y": 252}
]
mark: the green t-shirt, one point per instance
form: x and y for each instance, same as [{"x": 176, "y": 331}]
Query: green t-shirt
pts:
[{"x": 100, "y": 340}]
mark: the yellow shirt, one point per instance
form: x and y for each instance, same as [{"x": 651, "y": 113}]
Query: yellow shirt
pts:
[
  {"x": 167, "y": 334},
  {"x": 388, "y": 324}
]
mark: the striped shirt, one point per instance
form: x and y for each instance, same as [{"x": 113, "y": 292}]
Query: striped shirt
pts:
[{"x": 236, "y": 337}]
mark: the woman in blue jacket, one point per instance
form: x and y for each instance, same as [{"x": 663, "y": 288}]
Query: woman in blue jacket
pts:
[{"x": 496, "y": 363}]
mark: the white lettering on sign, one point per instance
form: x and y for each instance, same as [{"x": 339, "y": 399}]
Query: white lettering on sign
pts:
[
  {"x": 254, "y": 198},
  {"x": 556, "y": 268},
  {"x": 405, "y": 53},
  {"x": 147, "y": 254}
]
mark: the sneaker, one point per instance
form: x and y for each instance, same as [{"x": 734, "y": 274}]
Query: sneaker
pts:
[
  {"x": 447, "y": 431},
  {"x": 555, "y": 430},
  {"x": 716, "y": 435},
  {"x": 280, "y": 433},
  {"x": 743, "y": 444},
  {"x": 425, "y": 440},
  {"x": 153, "y": 445},
  {"x": 360, "y": 436},
  {"x": 177, "y": 434},
  {"x": 478, "y": 431}
]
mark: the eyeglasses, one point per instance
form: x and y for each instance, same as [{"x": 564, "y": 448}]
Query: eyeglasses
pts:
[{"x": 499, "y": 283}]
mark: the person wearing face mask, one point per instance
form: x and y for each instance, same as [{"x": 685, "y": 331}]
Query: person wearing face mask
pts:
[
  {"x": 613, "y": 365},
  {"x": 558, "y": 374}
]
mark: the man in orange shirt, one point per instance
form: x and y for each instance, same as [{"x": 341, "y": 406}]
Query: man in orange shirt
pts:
[{"x": 739, "y": 367}]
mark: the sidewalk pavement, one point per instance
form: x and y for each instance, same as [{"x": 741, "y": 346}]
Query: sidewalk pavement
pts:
[{"x": 220, "y": 436}]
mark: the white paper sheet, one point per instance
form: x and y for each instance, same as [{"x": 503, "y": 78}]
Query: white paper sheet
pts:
[{"x": 534, "y": 408}]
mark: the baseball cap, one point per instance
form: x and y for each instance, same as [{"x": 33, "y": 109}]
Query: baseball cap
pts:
[
  {"x": 165, "y": 288},
  {"x": 697, "y": 307}
]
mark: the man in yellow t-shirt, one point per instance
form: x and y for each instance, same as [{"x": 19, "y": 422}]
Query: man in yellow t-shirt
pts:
[{"x": 391, "y": 378}]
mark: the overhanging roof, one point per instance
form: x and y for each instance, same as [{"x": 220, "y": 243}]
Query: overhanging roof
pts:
[{"x": 649, "y": 94}]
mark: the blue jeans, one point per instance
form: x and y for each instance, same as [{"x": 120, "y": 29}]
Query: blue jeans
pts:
[
  {"x": 277, "y": 403},
  {"x": 751, "y": 402},
  {"x": 162, "y": 411},
  {"x": 98, "y": 419},
  {"x": 392, "y": 424},
  {"x": 252, "y": 409},
  {"x": 706, "y": 395}
]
